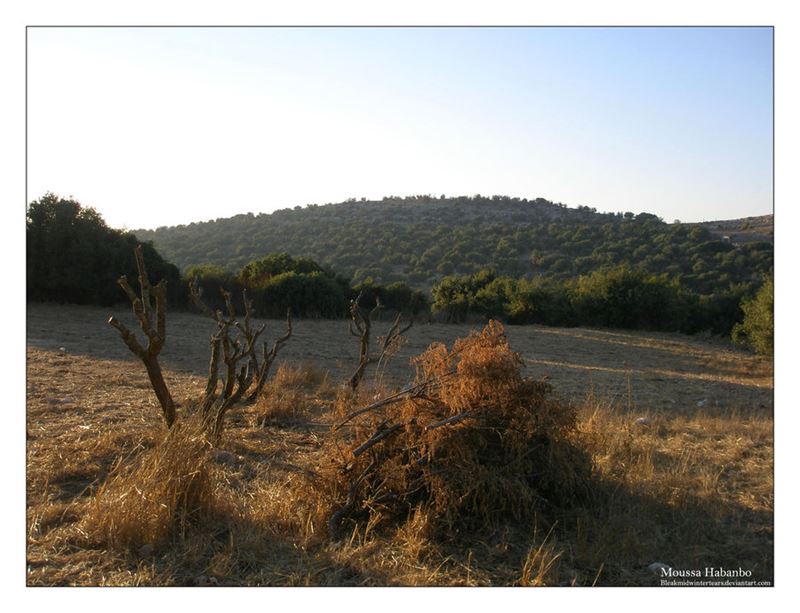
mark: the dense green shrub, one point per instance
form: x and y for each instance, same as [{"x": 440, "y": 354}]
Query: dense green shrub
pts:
[
  {"x": 259, "y": 272},
  {"x": 211, "y": 280},
  {"x": 72, "y": 256},
  {"x": 306, "y": 294},
  {"x": 620, "y": 297},
  {"x": 718, "y": 312},
  {"x": 541, "y": 301},
  {"x": 756, "y": 331},
  {"x": 628, "y": 298},
  {"x": 396, "y": 297}
]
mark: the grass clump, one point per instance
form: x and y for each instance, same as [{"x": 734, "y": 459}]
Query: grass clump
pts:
[
  {"x": 292, "y": 394},
  {"x": 155, "y": 497},
  {"x": 473, "y": 444}
]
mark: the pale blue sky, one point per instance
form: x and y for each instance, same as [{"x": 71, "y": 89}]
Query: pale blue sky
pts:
[{"x": 163, "y": 126}]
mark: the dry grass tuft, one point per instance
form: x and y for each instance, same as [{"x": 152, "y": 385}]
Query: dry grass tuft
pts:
[
  {"x": 541, "y": 563},
  {"x": 158, "y": 495},
  {"x": 415, "y": 536},
  {"x": 293, "y": 393},
  {"x": 478, "y": 445},
  {"x": 302, "y": 376}
]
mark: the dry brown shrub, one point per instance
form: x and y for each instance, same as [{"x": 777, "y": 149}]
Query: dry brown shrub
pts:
[
  {"x": 346, "y": 400},
  {"x": 160, "y": 493},
  {"x": 477, "y": 444},
  {"x": 292, "y": 393},
  {"x": 304, "y": 376}
]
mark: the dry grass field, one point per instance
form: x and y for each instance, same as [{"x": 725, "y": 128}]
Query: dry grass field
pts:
[{"x": 689, "y": 486}]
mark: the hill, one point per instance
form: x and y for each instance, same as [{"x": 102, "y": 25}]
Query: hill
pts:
[
  {"x": 421, "y": 239},
  {"x": 742, "y": 230}
]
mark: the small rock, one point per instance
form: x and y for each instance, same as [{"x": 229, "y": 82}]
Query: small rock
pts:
[
  {"x": 643, "y": 421},
  {"x": 657, "y": 567},
  {"x": 62, "y": 349},
  {"x": 205, "y": 581}
]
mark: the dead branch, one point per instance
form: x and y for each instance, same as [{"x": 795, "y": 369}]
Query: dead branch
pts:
[
  {"x": 336, "y": 517},
  {"x": 235, "y": 341},
  {"x": 376, "y": 438},
  {"x": 360, "y": 326},
  {"x": 227, "y": 351},
  {"x": 409, "y": 391},
  {"x": 250, "y": 334},
  {"x": 449, "y": 421},
  {"x": 418, "y": 392},
  {"x": 213, "y": 375},
  {"x": 395, "y": 332},
  {"x": 268, "y": 357},
  {"x": 142, "y": 310}
]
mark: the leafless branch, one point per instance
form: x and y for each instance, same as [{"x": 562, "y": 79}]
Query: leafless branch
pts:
[
  {"x": 361, "y": 326},
  {"x": 377, "y": 438},
  {"x": 142, "y": 309}
]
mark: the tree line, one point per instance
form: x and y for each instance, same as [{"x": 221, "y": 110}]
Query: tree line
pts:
[
  {"x": 279, "y": 282},
  {"x": 73, "y": 256},
  {"x": 620, "y": 297}
]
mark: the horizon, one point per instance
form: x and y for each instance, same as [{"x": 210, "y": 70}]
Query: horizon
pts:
[
  {"x": 434, "y": 197},
  {"x": 392, "y": 197},
  {"x": 173, "y": 126}
]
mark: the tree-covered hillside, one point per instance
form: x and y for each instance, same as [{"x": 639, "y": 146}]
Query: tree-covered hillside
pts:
[{"x": 422, "y": 239}]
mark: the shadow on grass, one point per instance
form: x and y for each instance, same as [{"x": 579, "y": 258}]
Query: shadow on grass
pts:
[
  {"x": 613, "y": 540},
  {"x": 608, "y": 540}
]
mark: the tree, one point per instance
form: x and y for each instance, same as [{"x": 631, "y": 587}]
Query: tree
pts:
[
  {"x": 73, "y": 256},
  {"x": 420, "y": 240},
  {"x": 209, "y": 280},
  {"x": 258, "y": 272},
  {"x": 756, "y": 331}
]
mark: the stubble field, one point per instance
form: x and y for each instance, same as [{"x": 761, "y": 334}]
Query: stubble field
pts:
[{"x": 691, "y": 485}]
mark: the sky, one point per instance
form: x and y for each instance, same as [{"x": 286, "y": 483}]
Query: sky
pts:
[{"x": 165, "y": 126}]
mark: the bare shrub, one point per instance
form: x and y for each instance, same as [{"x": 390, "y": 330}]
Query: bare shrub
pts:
[
  {"x": 472, "y": 440},
  {"x": 149, "y": 500},
  {"x": 233, "y": 348},
  {"x": 153, "y": 322},
  {"x": 361, "y": 327},
  {"x": 233, "y": 344}
]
